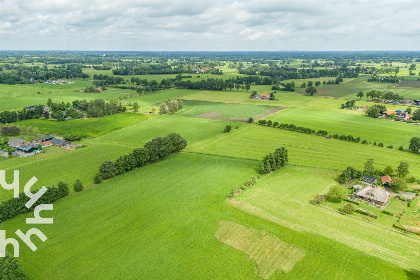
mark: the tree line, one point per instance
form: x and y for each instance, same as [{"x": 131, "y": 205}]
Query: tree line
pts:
[
  {"x": 19, "y": 74},
  {"x": 274, "y": 161},
  {"x": 154, "y": 150}
]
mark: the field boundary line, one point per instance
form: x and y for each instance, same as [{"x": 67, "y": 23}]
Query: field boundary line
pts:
[{"x": 207, "y": 154}]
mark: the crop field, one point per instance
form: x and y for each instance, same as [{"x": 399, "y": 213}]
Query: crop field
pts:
[
  {"x": 86, "y": 127},
  {"x": 254, "y": 142},
  {"x": 193, "y": 130},
  {"x": 157, "y": 224},
  {"x": 226, "y": 111},
  {"x": 370, "y": 129},
  {"x": 409, "y": 83}
]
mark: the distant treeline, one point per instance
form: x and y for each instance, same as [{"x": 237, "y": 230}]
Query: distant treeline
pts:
[
  {"x": 287, "y": 73},
  {"x": 19, "y": 74},
  {"x": 147, "y": 69}
]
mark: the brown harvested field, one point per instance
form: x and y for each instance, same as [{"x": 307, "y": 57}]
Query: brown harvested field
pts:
[{"x": 409, "y": 83}]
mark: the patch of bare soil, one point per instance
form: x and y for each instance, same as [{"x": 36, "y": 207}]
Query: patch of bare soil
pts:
[{"x": 267, "y": 113}]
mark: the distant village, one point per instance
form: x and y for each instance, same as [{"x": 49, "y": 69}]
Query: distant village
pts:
[{"x": 26, "y": 149}]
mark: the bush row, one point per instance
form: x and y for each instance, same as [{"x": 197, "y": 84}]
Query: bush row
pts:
[
  {"x": 15, "y": 206},
  {"x": 243, "y": 187},
  {"x": 351, "y": 201},
  {"x": 153, "y": 150}
]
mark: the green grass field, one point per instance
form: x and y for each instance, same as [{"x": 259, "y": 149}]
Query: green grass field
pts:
[
  {"x": 193, "y": 130},
  {"x": 226, "y": 111},
  {"x": 285, "y": 196},
  {"x": 86, "y": 127},
  {"x": 155, "y": 223},
  {"x": 254, "y": 142},
  {"x": 370, "y": 129}
]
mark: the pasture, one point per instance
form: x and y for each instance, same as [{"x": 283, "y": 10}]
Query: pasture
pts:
[
  {"x": 367, "y": 128},
  {"x": 254, "y": 142},
  {"x": 86, "y": 127},
  {"x": 285, "y": 195},
  {"x": 192, "y": 129},
  {"x": 155, "y": 223}
]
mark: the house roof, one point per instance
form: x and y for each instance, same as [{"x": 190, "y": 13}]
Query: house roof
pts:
[
  {"x": 26, "y": 148},
  {"x": 388, "y": 112},
  {"x": 14, "y": 142},
  {"x": 386, "y": 179},
  {"x": 266, "y": 95},
  {"x": 370, "y": 180},
  {"x": 377, "y": 194}
]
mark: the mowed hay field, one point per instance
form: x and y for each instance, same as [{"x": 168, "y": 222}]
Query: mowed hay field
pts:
[
  {"x": 285, "y": 195},
  {"x": 226, "y": 111},
  {"x": 158, "y": 223},
  {"x": 254, "y": 142},
  {"x": 367, "y": 128}
]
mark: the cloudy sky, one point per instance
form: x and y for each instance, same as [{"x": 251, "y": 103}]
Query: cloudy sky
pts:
[{"x": 212, "y": 25}]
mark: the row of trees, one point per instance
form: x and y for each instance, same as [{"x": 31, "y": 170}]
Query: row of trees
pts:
[
  {"x": 152, "y": 151},
  {"x": 170, "y": 106},
  {"x": 292, "y": 127},
  {"x": 274, "y": 161}
]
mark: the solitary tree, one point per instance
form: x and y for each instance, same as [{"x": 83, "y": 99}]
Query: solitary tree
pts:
[
  {"x": 402, "y": 169},
  {"x": 135, "y": 107},
  {"x": 237, "y": 86},
  {"x": 360, "y": 94},
  {"x": 311, "y": 91},
  {"x": 78, "y": 186},
  {"x": 414, "y": 144},
  {"x": 247, "y": 87}
]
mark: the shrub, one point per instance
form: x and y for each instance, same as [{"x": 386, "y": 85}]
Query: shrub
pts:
[
  {"x": 228, "y": 128},
  {"x": 348, "y": 208},
  {"x": 72, "y": 137},
  {"x": 380, "y": 144},
  {"x": 335, "y": 194},
  {"x": 97, "y": 179},
  {"x": 78, "y": 186},
  {"x": 401, "y": 148},
  {"x": 390, "y": 146},
  {"x": 318, "y": 200},
  {"x": 250, "y": 119},
  {"x": 11, "y": 269}
]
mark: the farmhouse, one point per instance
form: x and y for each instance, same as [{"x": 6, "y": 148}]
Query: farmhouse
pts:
[
  {"x": 31, "y": 108},
  {"x": 385, "y": 180},
  {"x": 265, "y": 96},
  {"x": 15, "y": 142},
  {"x": 376, "y": 195},
  {"x": 369, "y": 180},
  {"x": 255, "y": 96},
  {"x": 59, "y": 142}
]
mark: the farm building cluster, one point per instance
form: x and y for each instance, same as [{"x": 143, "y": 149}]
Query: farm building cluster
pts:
[
  {"x": 260, "y": 97},
  {"x": 370, "y": 190},
  {"x": 24, "y": 148},
  {"x": 375, "y": 192},
  {"x": 401, "y": 114}
]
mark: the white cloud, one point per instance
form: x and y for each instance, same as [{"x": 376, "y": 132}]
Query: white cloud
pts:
[{"x": 209, "y": 25}]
